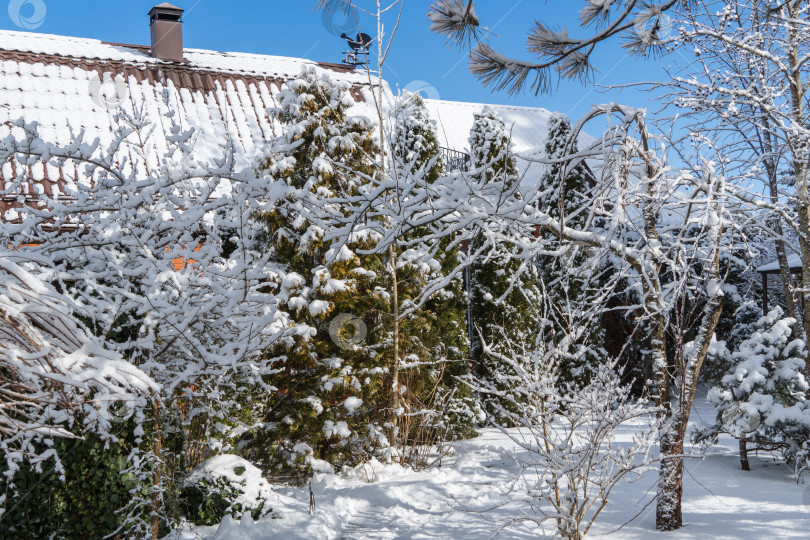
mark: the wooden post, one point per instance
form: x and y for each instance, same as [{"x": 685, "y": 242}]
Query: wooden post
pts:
[{"x": 764, "y": 293}]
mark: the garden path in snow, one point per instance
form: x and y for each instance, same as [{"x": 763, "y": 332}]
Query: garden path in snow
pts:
[{"x": 720, "y": 501}]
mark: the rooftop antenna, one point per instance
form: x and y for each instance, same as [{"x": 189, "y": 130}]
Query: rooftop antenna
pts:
[{"x": 358, "y": 55}]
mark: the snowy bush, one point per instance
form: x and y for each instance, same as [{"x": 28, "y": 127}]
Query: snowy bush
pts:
[
  {"x": 164, "y": 270},
  {"x": 53, "y": 373},
  {"x": 569, "y": 454},
  {"x": 762, "y": 396},
  {"x": 224, "y": 485},
  {"x": 62, "y": 438}
]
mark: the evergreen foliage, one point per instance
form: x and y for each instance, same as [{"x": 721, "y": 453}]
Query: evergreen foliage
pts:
[
  {"x": 434, "y": 337},
  {"x": 566, "y": 276},
  {"x": 763, "y": 394},
  {"x": 329, "y": 388},
  {"x": 224, "y": 485},
  {"x": 415, "y": 144},
  {"x": 504, "y": 294},
  {"x": 81, "y": 499}
]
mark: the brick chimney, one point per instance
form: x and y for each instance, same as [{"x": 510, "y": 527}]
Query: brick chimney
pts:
[{"x": 167, "y": 32}]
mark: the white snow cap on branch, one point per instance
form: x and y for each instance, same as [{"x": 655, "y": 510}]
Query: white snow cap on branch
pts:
[{"x": 52, "y": 369}]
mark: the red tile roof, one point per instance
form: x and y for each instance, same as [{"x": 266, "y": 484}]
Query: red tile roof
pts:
[{"x": 70, "y": 84}]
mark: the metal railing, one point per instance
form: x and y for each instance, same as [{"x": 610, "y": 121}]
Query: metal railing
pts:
[{"x": 455, "y": 160}]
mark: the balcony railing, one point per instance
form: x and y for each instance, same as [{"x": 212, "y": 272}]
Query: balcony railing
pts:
[{"x": 455, "y": 160}]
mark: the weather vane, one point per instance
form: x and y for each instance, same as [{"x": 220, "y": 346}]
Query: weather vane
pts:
[{"x": 358, "y": 55}]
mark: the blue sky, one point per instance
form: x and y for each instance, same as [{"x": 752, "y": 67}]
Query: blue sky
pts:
[{"x": 419, "y": 58}]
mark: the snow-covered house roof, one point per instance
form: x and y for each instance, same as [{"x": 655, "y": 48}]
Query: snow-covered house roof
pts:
[
  {"x": 527, "y": 125},
  {"x": 794, "y": 263},
  {"x": 68, "y": 84}
]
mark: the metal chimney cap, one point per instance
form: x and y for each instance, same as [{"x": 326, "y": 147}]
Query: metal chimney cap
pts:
[{"x": 168, "y": 11}]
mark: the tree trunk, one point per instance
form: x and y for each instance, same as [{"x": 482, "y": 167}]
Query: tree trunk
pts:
[
  {"x": 787, "y": 285},
  {"x": 781, "y": 256},
  {"x": 157, "y": 450},
  {"x": 670, "y": 475},
  {"x": 670, "y": 480},
  {"x": 804, "y": 234},
  {"x": 744, "y": 453},
  {"x": 668, "y": 515},
  {"x": 772, "y": 168},
  {"x": 797, "y": 92},
  {"x": 395, "y": 361}
]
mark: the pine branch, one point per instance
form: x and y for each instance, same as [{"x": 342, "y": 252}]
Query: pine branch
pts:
[
  {"x": 545, "y": 41},
  {"x": 334, "y": 6},
  {"x": 643, "y": 25},
  {"x": 502, "y": 73},
  {"x": 457, "y": 20},
  {"x": 596, "y": 12},
  {"x": 650, "y": 28}
]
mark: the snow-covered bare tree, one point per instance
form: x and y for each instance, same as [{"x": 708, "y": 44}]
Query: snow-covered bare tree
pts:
[
  {"x": 648, "y": 186},
  {"x": 745, "y": 88},
  {"x": 635, "y": 191},
  {"x": 56, "y": 379},
  {"x": 154, "y": 247},
  {"x": 568, "y": 448},
  {"x": 643, "y": 26}
]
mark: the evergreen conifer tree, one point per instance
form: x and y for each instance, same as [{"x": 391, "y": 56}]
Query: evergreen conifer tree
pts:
[
  {"x": 504, "y": 296},
  {"x": 434, "y": 336},
  {"x": 762, "y": 396},
  {"x": 566, "y": 276},
  {"x": 327, "y": 406}
]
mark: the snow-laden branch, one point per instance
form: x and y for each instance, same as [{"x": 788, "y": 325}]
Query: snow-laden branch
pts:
[{"x": 56, "y": 379}]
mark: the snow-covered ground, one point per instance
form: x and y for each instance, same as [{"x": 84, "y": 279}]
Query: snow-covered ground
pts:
[{"x": 720, "y": 501}]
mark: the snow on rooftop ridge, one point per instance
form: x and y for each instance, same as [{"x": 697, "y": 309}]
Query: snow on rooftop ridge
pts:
[
  {"x": 225, "y": 62},
  {"x": 528, "y": 125},
  {"x": 479, "y": 106},
  {"x": 95, "y": 49},
  {"x": 794, "y": 261}
]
